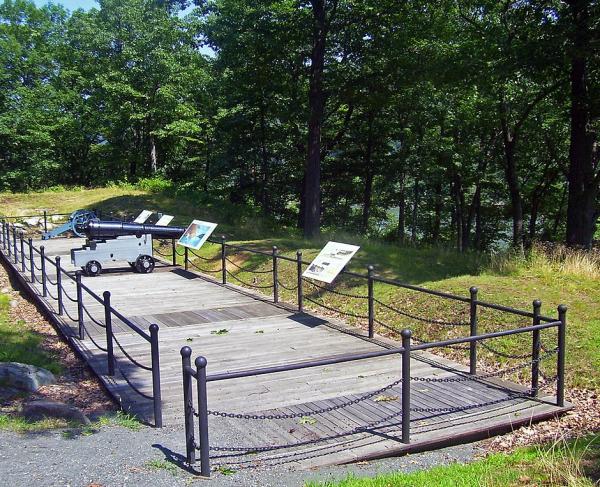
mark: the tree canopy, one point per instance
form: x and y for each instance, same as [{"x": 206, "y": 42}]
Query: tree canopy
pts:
[{"x": 461, "y": 122}]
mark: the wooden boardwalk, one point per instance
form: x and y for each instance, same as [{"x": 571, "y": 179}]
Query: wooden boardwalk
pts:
[{"x": 193, "y": 310}]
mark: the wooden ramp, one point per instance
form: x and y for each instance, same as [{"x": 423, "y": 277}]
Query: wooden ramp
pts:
[{"x": 238, "y": 330}]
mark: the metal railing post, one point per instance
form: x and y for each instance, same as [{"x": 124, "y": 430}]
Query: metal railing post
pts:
[
  {"x": 300, "y": 282},
  {"x": 14, "y": 237},
  {"x": 8, "y": 244},
  {"x": 535, "y": 349},
  {"x": 174, "y": 251},
  {"x": 275, "y": 277},
  {"x": 406, "y": 334},
  {"x": 45, "y": 221},
  {"x": 185, "y": 257},
  {"x": 202, "y": 417},
  {"x": 79, "y": 305},
  {"x": 560, "y": 362},
  {"x": 158, "y": 422},
  {"x": 31, "y": 262},
  {"x": 223, "y": 259},
  {"x": 43, "y": 266},
  {"x": 473, "y": 322},
  {"x": 109, "y": 342},
  {"x": 59, "y": 296},
  {"x": 188, "y": 405},
  {"x": 22, "y": 242},
  {"x": 371, "y": 302}
]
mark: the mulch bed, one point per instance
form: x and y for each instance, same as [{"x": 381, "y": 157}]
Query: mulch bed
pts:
[{"x": 77, "y": 385}]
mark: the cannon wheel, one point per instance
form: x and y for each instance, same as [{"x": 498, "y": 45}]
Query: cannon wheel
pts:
[
  {"x": 79, "y": 218},
  {"x": 144, "y": 264},
  {"x": 92, "y": 268}
]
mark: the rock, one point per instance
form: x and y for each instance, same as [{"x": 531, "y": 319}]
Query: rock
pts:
[
  {"x": 25, "y": 377},
  {"x": 57, "y": 218},
  {"x": 51, "y": 226},
  {"x": 32, "y": 222},
  {"x": 18, "y": 225},
  {"x": 42, "y": 408}
]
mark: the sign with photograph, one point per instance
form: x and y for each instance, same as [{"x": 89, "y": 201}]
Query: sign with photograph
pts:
[
  {"x": 330, "y": 261},
  {"x": 164, "y": 220},
  {"x": 196, "y": 234},
  {"x": 143, "y": 216}
]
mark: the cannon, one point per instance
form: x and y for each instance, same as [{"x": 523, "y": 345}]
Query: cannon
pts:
[
  {"x": 111, "y": 241},
  {"x": 77, "y": 220}
]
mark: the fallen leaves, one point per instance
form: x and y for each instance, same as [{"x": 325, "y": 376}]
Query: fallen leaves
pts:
[
  {"x": 582, "y": 419},
  {"x": 222, "y": 331},
  {"x": 384, "y": 398}
]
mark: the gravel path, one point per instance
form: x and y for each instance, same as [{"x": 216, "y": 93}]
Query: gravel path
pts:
[{"x": 115, "y": 456}]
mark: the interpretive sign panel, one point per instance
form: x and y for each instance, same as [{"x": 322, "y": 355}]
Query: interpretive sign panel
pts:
[
  {"x": 196, "y": 234},
  {"x": 330, "y": 261},
  {"x": 164, "y": 220},
  {"x": 143, "y": 216}
]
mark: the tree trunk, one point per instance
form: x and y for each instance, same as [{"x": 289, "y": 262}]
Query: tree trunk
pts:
[
  {"x": 369, "y": 175},
  {"x": 459, "y": 212},
  {"x": 316, "y": 102},
  {"x": 478, "y": 243},
  {"x": 512, "y": 177},
  {"x": 264, "y": 163},
  {"x": 402, "y": 209},
  {"x": 437, "y": 219},
  {"x": 582, "y": 211},
  {"x": 207, "y": 164},
  {"x": 153, "y": 156},
  {"x": 415, "y": 210}
]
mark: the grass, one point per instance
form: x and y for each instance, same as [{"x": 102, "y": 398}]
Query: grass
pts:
[
  {"x": 573, "y": 463},
  {"x": 122, "y": 419},
  {"x": 162, "y": 465},
  {"x": 18, "y": 424},
  {"x": 20, "y": 344}
]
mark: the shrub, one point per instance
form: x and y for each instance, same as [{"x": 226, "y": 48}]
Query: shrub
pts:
[{"x": 156, "y": 184}]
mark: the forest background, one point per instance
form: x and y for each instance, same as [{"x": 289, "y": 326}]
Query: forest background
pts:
[{"x": 470, "y": 124}]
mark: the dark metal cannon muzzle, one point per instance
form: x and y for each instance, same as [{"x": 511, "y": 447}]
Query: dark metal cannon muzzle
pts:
[{"x": 98, "y": 230}]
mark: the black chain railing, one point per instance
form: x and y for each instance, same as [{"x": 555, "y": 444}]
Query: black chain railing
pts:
[
  {"x": 54, "y": 289},
  {"x": 202, "y": 413}
]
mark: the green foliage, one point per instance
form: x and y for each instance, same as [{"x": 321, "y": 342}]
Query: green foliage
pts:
[
  {"x": 20, "y": 344},
  {"x": 449, "y": 131},
  {"x": 155, "y": 185}
]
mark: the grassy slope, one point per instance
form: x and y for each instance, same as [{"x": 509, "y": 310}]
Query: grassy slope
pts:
[
  {"x": 574, "y": 464},
  {"x": 19, "y": 344},
  {"x": 430, "y": 267}
]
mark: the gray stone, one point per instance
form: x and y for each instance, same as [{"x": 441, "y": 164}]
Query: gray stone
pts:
[
  {"x": 25, "y": 377},
  {"x": 32, "y": 222},
  {"x": 40, "y": 409}
]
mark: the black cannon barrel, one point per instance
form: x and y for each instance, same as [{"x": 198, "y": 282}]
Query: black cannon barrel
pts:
[{"x": 95, "y": 229}]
